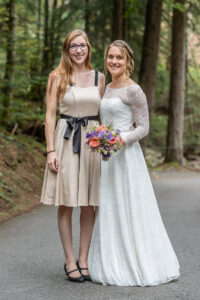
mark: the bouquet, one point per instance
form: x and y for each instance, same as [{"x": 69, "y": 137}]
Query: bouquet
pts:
[{"x": 105, "y": 140}]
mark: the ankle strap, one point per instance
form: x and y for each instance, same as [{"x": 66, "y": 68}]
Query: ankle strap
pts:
[{"x": 72, "y": 271}]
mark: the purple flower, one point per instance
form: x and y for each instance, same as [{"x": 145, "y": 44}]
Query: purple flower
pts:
[
  {"x": 88, "y": 134},
  {"x": 117, "y": 130},
  {"x": 102, "y": 135},
  {"x": 110, "y": 136},
  {"x": 94, "y": 134},
  {"x": 105, "y": 155}
]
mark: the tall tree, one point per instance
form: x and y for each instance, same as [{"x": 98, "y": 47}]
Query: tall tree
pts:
[
  {"x": 38, "y": 25},
  {"x": 118, "y": 9},
  {"x": 151, "y": 42},
  {"x": 45, "y": 67},
  {"x": 10, "y": 58},
  {"x": 174, "y": 148},
  {"x": 35, "y": 91},
  {"x": 87, "y": 16},
  {"x": 52, "y": 32}
]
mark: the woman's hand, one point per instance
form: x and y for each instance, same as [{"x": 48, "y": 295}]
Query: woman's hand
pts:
[
  {"x": 123, "y": 143},
  {"x": 120, "y": 140},
  {"x": 52, "y": 161}
]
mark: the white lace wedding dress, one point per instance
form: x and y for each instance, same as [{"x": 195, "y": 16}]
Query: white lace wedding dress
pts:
[{"x": 129, "y": 246}]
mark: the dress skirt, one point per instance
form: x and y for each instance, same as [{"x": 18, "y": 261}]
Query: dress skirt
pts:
[
  {"x": 130, "y": 246},
  {"x": 77, "y": 181}
]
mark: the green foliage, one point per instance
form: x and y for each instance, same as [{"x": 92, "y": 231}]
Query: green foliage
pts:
[
  {"x": 162, "y": 88},
  {"x": 174, "y": 4},
  {"x": 26, "y": 107},
  {"x": 192, "y": 112},
  {"x": 178, "y": 6},
  {"x": 157, "y": 135}
]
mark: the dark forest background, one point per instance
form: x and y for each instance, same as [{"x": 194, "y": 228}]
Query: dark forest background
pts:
[{"x": 163, "y": 34}]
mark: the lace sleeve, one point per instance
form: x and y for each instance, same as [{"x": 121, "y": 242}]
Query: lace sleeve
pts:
[{"x": 138, "y": 102}]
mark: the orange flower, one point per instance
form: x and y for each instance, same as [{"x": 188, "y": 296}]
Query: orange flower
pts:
[
  {"x": 112, "y": 141},
  {"x": 101, "y": 128},
  {"x": 119, "y": 140},
  {"x": 94, "y": 142}
]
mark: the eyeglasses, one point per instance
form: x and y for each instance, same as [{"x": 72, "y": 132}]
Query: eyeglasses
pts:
[{"x": 82, "y": 46}]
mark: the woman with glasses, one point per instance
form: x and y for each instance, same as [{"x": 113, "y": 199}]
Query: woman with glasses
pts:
[{"x": 72, "y": 172}]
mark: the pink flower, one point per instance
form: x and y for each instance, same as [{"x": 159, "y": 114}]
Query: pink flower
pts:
[
  {"x": 94, "y": 142},
  {"x": 101, "y": 128},
  {"x": 112, "y": 141}
]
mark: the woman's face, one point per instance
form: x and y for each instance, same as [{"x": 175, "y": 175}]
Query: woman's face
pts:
[
  {"x": 116, "y": 61},
  {"x": 78, "y": 50}
]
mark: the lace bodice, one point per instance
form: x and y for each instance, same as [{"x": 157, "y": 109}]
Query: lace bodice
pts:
[{"x": 124, "y": 107}]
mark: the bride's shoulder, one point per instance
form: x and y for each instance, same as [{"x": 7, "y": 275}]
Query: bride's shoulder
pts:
[
  {"x": 133, "y": 86},
  {"x": 134, "y": 89}
]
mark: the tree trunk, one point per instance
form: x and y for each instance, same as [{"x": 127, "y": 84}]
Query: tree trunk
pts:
[
  {"x": 10, "y": 59},
  {"x": 118, "y": 9},
  {"x": 38, "y": 25},
  {"x": 45, "y": 68},
  {"x": 52, "y": 40},
  {"x": 174, "y": 149},
  {"x": 125, "y": 25},
  {"x": 151, "y": 43},
  {"x": 35, "y": 92},
  {"x": 87, "y": 17}
]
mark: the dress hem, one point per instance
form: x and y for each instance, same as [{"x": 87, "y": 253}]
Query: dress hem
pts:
[
  {"x": 170, "y": 279},
  {"x": 68, "y": 205}
]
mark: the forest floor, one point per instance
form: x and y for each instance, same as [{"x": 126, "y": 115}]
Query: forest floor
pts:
[{"x": 22, "y": 162}]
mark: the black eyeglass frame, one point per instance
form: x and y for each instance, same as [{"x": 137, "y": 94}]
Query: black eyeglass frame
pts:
[{"x": 75, "y": 46}]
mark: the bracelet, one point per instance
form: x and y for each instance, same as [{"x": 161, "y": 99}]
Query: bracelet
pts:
[{"x": 50, "y": 151}]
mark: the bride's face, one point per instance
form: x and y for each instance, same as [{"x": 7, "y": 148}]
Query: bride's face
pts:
[{"x": 116, "y": 61}]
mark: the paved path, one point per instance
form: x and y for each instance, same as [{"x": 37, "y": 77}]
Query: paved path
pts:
[{"x": 31, "y": 257}]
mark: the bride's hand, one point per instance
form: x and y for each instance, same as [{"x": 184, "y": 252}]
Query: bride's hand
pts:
[
  {"x": 52, "y": 161},
  {"x": 120, "y": 140},
  {"x": 123, "y": 143}
]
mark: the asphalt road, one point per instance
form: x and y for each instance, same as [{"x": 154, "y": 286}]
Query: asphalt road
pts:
[{"x": 31, "y": 256}]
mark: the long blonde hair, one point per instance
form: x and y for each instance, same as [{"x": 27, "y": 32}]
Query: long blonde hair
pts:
[
  {"x": 65, "y": 67},
  {"x": 129, "y": 55}
]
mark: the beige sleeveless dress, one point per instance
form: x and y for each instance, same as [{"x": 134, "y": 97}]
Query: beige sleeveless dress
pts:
[{"x": 77, "y": 181}]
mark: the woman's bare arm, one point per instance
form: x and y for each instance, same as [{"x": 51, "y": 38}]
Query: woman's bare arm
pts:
[
  {"x": 50, "y": 120},
  {"x": 101, "y": 84}
]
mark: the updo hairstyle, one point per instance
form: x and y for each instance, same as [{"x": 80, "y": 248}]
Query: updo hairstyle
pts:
[{"x": 128, "y": 52}]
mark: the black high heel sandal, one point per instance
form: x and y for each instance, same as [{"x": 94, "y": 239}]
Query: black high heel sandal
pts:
[
  {"x": 79, "y": 279},
  {"x": 87, "y": 277}
]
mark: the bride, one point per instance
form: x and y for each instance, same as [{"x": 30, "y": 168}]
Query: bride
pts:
[{"x": 130, "y": 246}]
